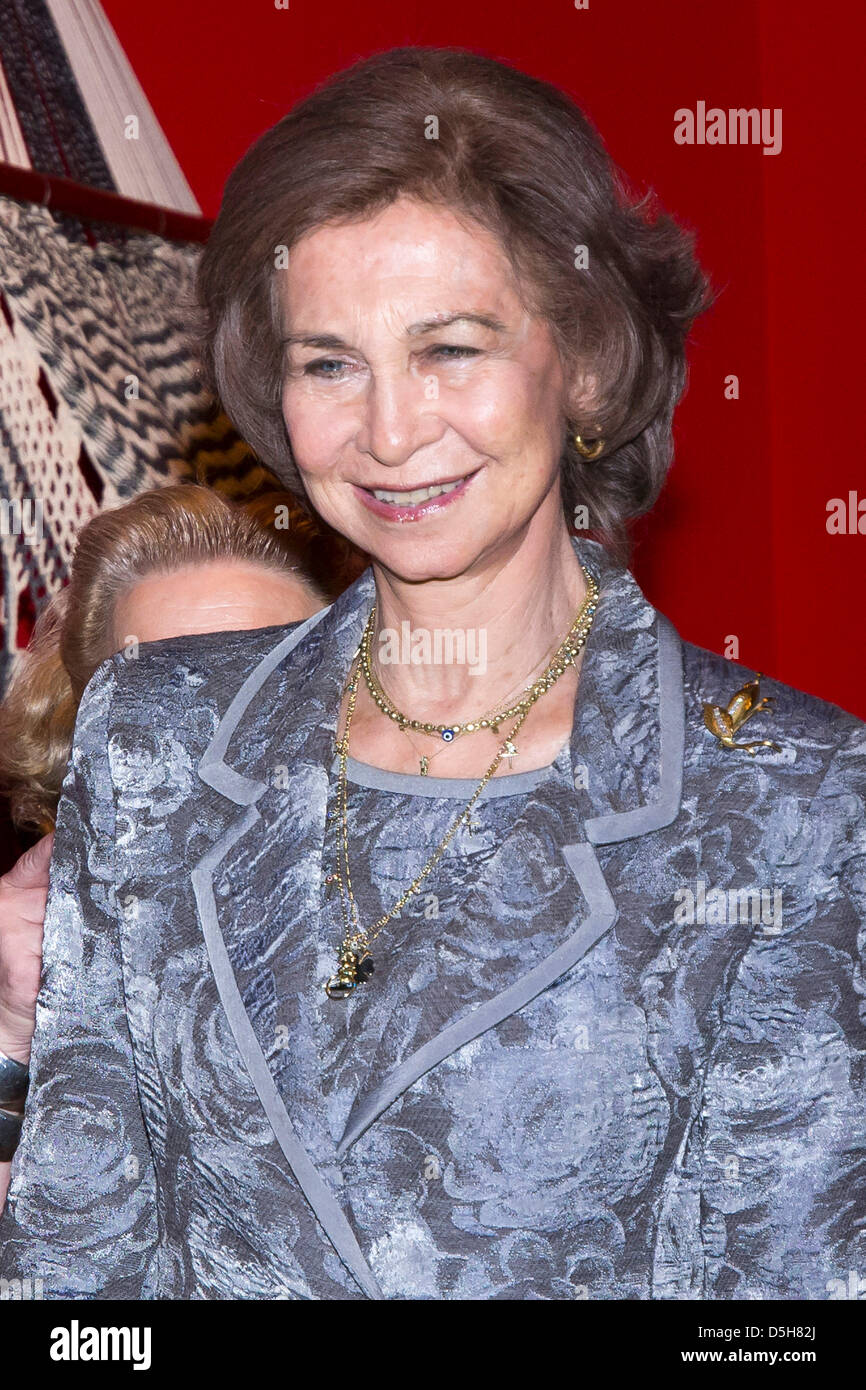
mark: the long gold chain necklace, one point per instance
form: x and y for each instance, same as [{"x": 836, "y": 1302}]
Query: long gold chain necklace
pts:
[{"x": 355, "y": 961}]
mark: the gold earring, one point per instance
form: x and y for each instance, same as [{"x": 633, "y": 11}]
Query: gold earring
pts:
[{"x": 588, "y": 451}]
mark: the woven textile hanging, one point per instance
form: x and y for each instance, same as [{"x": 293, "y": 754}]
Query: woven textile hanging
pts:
[
  {"x": 99, "y": 395},
  {"x": 71, "y": 104}
]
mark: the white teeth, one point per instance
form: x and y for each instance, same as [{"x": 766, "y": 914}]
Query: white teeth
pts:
[{"x": 411, "y": 499}]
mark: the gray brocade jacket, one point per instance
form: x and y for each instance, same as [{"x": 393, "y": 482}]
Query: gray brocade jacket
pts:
[{"x": 636, "y": 1069}]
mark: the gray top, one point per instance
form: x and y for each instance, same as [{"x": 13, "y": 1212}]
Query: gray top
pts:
[
  {"x": 447, "y": 788},
  {"x": 383, "y": 861}
]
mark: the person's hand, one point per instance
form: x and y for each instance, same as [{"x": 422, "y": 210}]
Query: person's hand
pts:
[{"x": 23, "y": 894}]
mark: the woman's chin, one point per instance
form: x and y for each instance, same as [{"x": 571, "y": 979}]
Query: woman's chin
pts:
[{"x": 415, "y": 562}]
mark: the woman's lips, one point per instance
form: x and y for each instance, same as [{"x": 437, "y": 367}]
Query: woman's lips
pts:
[{"x": 413, "y": 511}]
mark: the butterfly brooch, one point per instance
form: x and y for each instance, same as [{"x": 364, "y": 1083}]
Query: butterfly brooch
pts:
[{"x": 724, "y": 721}]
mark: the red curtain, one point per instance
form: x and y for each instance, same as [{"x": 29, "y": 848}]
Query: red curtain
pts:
[{"x": 739, "y": 545}]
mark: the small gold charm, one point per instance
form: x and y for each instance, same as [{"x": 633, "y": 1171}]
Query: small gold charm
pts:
[
  {"x": 355, "y": 968},
  {"x": 723, "y": 722},
  {"x": 510, "y": 752},
  {"x": 425, "y": 762}
]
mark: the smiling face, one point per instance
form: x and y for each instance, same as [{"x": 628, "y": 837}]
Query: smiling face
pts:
[{"x": 425, "y": 403}]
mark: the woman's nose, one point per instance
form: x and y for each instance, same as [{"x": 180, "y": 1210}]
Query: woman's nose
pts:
[{"x": 396, "y": 420}]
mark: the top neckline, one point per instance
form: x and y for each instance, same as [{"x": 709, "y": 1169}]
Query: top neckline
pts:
[
  {"x": 453, "y": 788},
  {"x": 462, "y": 788}
]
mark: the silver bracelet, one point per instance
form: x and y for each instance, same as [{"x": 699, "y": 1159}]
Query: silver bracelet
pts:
[
  {"x": 14, "y": 1079},
  {"x": 10, "y": 1133}
]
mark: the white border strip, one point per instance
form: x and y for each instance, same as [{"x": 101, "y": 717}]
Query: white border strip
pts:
[
  {"x": 13, "y": 147},
  {"x": 145, "y": 168}
]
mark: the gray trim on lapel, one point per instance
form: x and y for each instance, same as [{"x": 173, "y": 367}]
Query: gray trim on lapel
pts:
[
  {"x": 582, "y": 860},
  {"x": 245, "y": 791},
  {"x": 325, "y": 1206},
  {"x": 213, "y": 769},
  {"x": 622, "y": 825}
]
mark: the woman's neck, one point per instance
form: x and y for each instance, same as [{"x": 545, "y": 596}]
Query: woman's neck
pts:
[{"x": 497, "y": 627}]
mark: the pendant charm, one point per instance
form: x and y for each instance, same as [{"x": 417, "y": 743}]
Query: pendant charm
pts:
[
  {"x": 365, "y": 967},
  {"x": 448, "y": 735},
  {"x": 355, "y": 968},
  {"x": 424, "y": 766},
  {"x": 510, "y": 752}
]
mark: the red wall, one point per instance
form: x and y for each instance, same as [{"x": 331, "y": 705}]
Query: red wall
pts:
[{"x": 738, "y": 544}]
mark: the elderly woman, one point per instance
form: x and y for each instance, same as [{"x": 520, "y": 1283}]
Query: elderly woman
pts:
[{"x": 528, "y": 972}]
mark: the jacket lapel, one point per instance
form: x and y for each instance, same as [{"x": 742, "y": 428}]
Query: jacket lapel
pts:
[
  {"x": 260, "y": 894},
  {"x": 257, "y": 889}
]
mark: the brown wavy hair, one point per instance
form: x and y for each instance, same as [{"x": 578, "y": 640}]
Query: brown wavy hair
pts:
[
  {"x": 516, "y": 155},
  {"x": 157, "y": 532}
]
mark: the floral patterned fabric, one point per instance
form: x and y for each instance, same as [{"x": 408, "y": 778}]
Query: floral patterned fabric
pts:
[{"x": 616, "y": 1052}]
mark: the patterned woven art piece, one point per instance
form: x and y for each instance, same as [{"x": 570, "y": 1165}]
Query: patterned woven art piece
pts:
[{"x": 99, "y": 395}]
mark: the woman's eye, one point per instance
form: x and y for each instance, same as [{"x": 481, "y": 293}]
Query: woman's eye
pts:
[
  {"x": 452, "y": 350},
  {"x": 330, "y": 367},
  {"x": 320, "y": 368}
]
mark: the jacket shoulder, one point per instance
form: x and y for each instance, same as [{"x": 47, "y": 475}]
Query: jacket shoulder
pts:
[
  {"x": 185, "y": 683},
  {"x": 215, "y": 662},
  {"x": 815, "y": 734}
]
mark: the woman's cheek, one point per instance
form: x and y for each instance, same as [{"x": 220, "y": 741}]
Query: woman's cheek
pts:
[
  {"x": 496, "y": 412},
  {"x": 314, "y": 433}
]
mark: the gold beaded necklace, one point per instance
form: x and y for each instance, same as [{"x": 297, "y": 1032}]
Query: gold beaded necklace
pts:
[
  {"x": 562, "y": 658},
  {"x": 425, "y": 759},
  {"x": 355, "y": 961}
]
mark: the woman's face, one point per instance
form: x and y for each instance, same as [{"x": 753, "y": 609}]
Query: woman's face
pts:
[
  {"x": 412, "y": 363},
  {"x": 217, "y": 596}
]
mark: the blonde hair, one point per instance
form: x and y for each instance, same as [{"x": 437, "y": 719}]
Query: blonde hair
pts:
[{"x": 157, "y": 532}]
